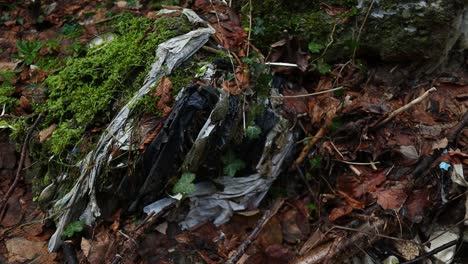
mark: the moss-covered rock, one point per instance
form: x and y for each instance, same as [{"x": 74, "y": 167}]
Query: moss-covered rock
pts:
[
  {"x": 393, "y": 31},
  {"x": 410, "y": 30}
]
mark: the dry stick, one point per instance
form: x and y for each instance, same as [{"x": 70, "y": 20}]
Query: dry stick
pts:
[
  {"x": 406, "y": 107},
  {"x": 252, "y": 236},
  {"x": 307, "y": 95},
  {"x": 365, "y": 236},
  {"x": 362, "y": 27},
  {"x": 312, "y": 141},
  {"x": 20, "y": 166}
]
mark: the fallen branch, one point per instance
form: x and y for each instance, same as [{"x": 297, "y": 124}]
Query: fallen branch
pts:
[
  {"x": 252, "y": 236},
  {"x": 406, "y": 107},
  {"x": 20, "y": 167}
]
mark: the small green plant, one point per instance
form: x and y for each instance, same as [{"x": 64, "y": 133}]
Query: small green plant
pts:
[
  {"x": 232, "y": 164},
  {"x": 315, "y": 47},
  {"x": 28, "y": 50},
  {"x": 72, "y": 30},
  {"x": 316, "y": 162},
  {"x": 185, "y": 184},
  {"x": 336, "y": 123},
  {"x": 73, "y": 228},
  {"x": 253, "y": 132},
  {"x": 312, "y": 208}
]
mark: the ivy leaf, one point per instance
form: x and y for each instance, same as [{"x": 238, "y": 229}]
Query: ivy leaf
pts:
[
  {"x": 315, "y": 47},
  {"x": 253, "y": 132},
  {"x": 323, "y": 67},
  {"x": 232, "y": 164},
  {"x": 72, "y": 228},
  {"x": 185, "y": 184}
]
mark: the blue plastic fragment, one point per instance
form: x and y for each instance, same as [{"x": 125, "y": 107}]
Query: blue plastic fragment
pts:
[{"x": 445, "y": 166}]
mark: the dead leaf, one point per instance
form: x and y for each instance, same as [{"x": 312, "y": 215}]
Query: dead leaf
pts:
[
  {"x": 46, "y": 133},
  {"x": 279, "y": 253},
  {"x": 20, "y": 249},
  {"x": 392, "y": 198},
  {"x": 24, "y": 104},
  {"x": 416, "y": 205},
  {"x": 440, "y": 144},
  {"x": 271, "y": 233},
  {"x": 409, "y": 151},
  {"x": 164, "y": 92},
  {"x": 340, "y": 211},
  {"x": 295, "y": 226}
]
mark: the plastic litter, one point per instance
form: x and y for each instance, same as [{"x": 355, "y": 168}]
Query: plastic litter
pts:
[{"x": 170, "y": 55}]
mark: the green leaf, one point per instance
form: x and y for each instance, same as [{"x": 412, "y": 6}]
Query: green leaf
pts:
[
  {"x": 312, "y": 207},
  {"x": 185, "y": 184},
  {"x": 72, "y": 228},
  {"x": 315, "y": 47},
  {"x": 253, "y": 132},
  {"x": 323, "y": 67},
  {"x": 316, "y": 162},
  {"x": 232, "y": 164}
]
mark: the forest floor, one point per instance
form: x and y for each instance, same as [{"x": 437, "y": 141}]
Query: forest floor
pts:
[{"x": 375, "y": 172}]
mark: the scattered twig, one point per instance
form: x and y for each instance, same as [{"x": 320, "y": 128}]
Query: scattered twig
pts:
[
  {"x": 406, "y": 107},
  {"x": 359, "y": 163},
  {"x": 282, "y": 64},
  {"x": 306, "y": 95},
  {"x": 20, "y": 167},
  {"x": 250, "y": 28},
  {"x": 362, "y": 27},
  {"x": 365, "y": 236},
  {"x": 307, "y": 147},
  {"x": 252, "y": 236}
]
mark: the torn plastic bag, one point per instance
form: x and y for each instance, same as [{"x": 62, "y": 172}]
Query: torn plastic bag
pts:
[
  {"x": 170, "y": 55},
  {"x": 168, "y": 149},
  {"x": 209, "y": 203}
]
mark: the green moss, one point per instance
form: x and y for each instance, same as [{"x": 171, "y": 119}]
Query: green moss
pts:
[
  {"x": 84, "y": 91},
  {"x": 7, "y": 90}
]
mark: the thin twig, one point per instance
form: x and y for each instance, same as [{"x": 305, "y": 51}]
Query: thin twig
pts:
[
  {"x": 20, "y": 167},
  {"x": 252, "y": 236},
  {"x": 250, "y": 28},
  {"x": 406, "y": 107},
  {"x": 362, "y": 27},
  {"x": 359, "y": 163},
  {"x": 306, "y": 95}
]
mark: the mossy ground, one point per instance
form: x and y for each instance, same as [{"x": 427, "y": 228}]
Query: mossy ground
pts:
[{"x": 88, "y": 90}]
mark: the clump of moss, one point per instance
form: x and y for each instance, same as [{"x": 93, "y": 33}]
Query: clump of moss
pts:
[
  {"x": 84, "y": 91},
  {"x": 6, "y": 90}
]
